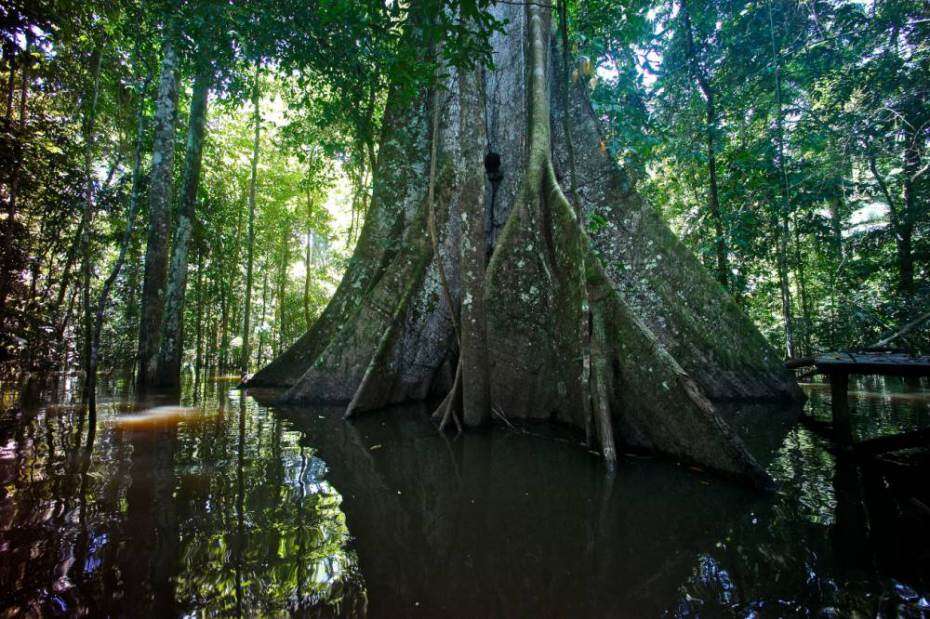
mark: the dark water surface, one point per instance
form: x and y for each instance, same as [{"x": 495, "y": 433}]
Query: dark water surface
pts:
[{"x": 231, "y": 507}]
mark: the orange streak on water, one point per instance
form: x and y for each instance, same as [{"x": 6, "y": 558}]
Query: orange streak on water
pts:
[{"x": 160, "y": 417}]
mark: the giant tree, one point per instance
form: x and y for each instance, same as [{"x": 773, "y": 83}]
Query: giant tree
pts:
[{"x": 473, "y": 167}]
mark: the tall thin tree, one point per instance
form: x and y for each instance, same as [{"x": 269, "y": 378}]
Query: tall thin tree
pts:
[
  {"x": 160, "y": 192},
  {"x": 246, "y": 351}
]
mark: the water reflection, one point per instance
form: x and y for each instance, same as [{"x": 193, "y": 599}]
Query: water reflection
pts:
[
  {"x": 216, "y": 509},
  {"x": 223, "y": 506}
]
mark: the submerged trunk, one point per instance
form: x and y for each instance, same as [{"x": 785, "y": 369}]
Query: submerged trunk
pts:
[
  {"x": 168, "y": 373},
  {"x": 664, "y": 339},
  {"x": 156, "y": 249}
]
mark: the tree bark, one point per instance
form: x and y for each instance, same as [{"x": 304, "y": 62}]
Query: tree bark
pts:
[
  {"x": 171, "y": 352},
  {"x": 159, "y": 226},
  {"x": 246, "y": 352}
]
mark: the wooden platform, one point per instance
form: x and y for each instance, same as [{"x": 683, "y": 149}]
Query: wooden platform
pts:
[
  {"x": 838, "y": 366},
  {"x": 881, "y": 363}
]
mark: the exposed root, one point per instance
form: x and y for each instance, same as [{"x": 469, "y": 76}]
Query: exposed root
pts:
[
  {"x": 497, "y": 411},
  {"x": 450, "y": 410},
  {"x": 604, "y": 425}
]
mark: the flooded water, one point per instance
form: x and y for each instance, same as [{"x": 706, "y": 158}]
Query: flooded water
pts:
[{"x": 223, "y": 505}]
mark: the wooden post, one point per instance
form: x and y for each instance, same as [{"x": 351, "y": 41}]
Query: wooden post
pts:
[{"x": 839, "y": 400}]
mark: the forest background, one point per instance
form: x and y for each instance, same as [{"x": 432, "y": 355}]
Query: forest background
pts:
[{"x": 227, "y": 150}]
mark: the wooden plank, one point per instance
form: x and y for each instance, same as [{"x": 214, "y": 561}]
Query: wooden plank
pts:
[{"x": 875, "y": 363}]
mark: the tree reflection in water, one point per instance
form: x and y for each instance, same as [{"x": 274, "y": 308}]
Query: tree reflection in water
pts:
[
  {"x": 218, "y": 510},
  {"x": 232, "y": 508}
]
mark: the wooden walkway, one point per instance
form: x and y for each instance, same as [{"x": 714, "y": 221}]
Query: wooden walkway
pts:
[
  {"x": 838, "y": 366},
  {"x": 881, "y": 363}
]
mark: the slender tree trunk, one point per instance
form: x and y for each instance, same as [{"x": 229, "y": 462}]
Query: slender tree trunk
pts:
[
  {"x": 261, "y": 319},
  {"x": 282, "y": 289},
  {"x": 245, "y": 357},
  {"x": 90, "y": 119},
  {"x": 131, "y": 307},
  {"x": 307, "y": 265},
  {"x": 20, "y": 136},
  {"x": 9, "y": 53},
  {"x": 587, "y": 331},
  {"x": 836, "y": 246},
  {"x": 172, "y": 336},
  {"x": 710, "y": 128},
  {"x": 905, "y": 233},
  {"x": 782, "y": 218},
  {"x": 198, "y": 356},
  {"x": 801, "y": 279},
  {"x": 897, "y": 214},
  {"x": 103, "y": 299},
  {"x": 224, "y": 328},
  {"x": 7, "y": 270},
  {"x": 160, "y": 192}
]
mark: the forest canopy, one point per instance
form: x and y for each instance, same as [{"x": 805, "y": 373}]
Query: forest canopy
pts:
[{"x": 183, "y": 182}]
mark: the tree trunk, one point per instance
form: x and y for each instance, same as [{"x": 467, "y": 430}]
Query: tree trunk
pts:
[
  {"x": 198, "y": 354},
  {"x": 88, "y": 130},
  {"x": 282, "y": 290},
  {"x": 912, "y": 145},
  {"x": 160, "y": 192},
  {"x": 20, "y": 135},
  {"x": 836, "y": 248},
  {"x": 261, "y": 320},
  {"x": 785, "y": 207},
  {"x": 246, "y": 352},
  {"x": 171, "y": 353},
  {"x": 307, "y": 250},
  {"x": 710, "y": 127},
  {"x": 800, "y": 276},
  {"x": 667, "y": 338},
  {"x": 103, "y": 299}
]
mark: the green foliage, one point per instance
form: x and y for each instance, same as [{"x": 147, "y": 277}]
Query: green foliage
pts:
[
  {"x": 853, "y": 80},
  {"x": 326, "y": 68},
  {"x": 851, "y": 227}
]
